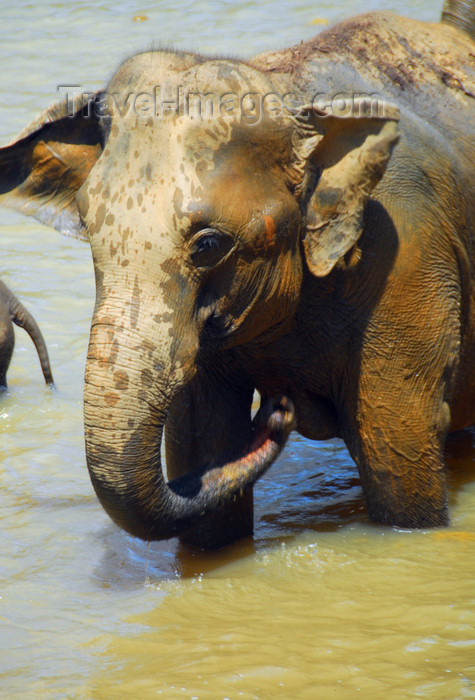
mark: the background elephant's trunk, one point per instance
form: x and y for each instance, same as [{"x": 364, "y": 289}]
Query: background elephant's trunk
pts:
[
  {"x": 22, "y": 318},
  {"x": 128, "y": 392}
]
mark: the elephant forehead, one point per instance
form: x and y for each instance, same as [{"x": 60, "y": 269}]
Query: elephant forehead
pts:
[
  {"x": 160, "y": 77},
  {"x": 154, "y": 150},
  {"x": 156, "y": 176},
  {"x": 150, "y": 175}
]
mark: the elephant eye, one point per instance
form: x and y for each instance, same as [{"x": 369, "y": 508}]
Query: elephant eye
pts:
[{"x": 209, "y": 247}]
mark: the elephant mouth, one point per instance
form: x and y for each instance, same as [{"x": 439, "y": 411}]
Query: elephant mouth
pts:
[{"x": 191, "y": 465}]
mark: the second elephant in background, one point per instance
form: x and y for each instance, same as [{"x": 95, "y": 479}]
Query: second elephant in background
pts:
[{"x": 13, "y": 311}]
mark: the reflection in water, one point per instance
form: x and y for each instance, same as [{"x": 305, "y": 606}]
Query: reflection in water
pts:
[{"x": 320, "y": 603}]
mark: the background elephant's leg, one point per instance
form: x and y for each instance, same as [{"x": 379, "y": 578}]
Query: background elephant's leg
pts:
[
  {"x": 7, "y": 341},
  {"x": 207, "y": 421}
]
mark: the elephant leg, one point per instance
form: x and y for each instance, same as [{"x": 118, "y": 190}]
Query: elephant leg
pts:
[
  {"x": 399, "y": 453},
  {"x": 207, "y": 421},
  {"x": 403, "y": 416},
  {"x": 7, "y": 341}
]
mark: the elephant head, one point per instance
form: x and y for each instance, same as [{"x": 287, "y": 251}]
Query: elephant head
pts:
[{"x": 202, "y": 222}]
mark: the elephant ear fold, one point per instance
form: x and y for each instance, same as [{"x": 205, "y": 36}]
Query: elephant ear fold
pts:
[
  {"x": 43, "y": 168},
  {"x": 340, "y": 158}
]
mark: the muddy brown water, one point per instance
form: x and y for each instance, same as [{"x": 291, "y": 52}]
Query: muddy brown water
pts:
[{"x": 322, "y": 604}]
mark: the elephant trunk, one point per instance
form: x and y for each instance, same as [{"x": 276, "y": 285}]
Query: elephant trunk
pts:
[
  {"x": 22, "y": 318},
  {"x": 128, "y": 393}
]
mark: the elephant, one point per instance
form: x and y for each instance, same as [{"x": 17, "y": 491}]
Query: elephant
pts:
[
  {"x": 300, "y": 225},
  {"x": 13, "y": 311}
]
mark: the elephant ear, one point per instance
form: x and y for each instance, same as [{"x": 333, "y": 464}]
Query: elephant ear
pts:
[
  {"x": 43, "y": 168},
  {"x": 339, "y": 161}
]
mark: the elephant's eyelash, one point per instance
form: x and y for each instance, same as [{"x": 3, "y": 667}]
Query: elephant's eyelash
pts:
[{"x": 209, "y": 247}]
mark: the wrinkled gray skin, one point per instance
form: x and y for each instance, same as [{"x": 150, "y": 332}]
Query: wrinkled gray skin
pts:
[
  {"x": 321, "y": 255},
  {"x": 13, "y": 311}
]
